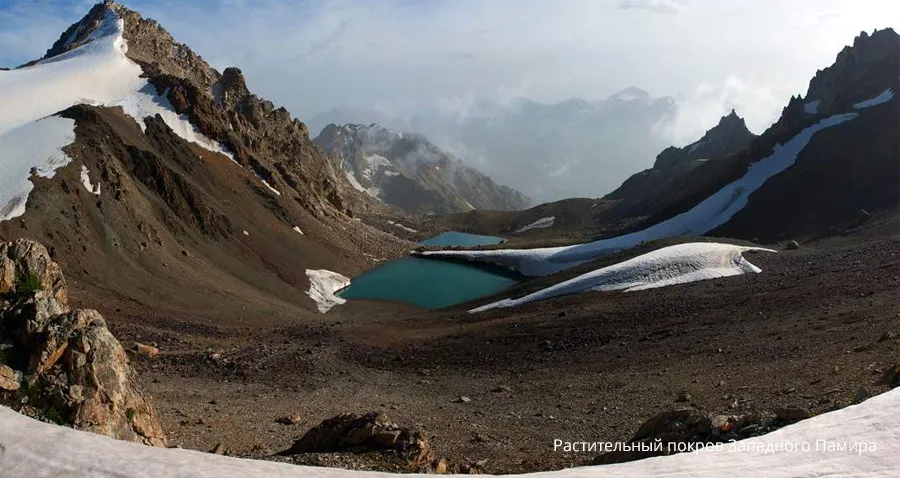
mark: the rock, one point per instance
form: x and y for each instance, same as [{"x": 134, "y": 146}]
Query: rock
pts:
[
  {"x": 687, "y": 426},
  {"x": 462, "y": 399},
  {"x": 891, "y": 377},
  {"x": 70, "y": 351},
  {"x": 439, "y": 466},
  {"x": 501, "y": 389},
  {"x": 792, "y": 414},
  {"x": 219, "y": 449},
  {"x": 373, "y": 431},
  {"x": 9, "y": 378},
  {"x": 27, "y": 264},
  {"x": 889, "y": 335},
  {"x": 147, "y": 350},
  {"x": 290, "y": 419},
  {"x": 684, "y": 396},
  {"x": 793, "y": 245}
]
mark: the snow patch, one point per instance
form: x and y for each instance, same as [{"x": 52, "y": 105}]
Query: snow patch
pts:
[
  {"x": 322, "y": 286},
  {"x": 30, "y": 445},
  {"x": 32, "y": 147},
  {"x": 712, "y": 212},
  {"x": 677, "y": 264},
  {"x": 884, "y": 97},
  {"x": 812, "y": 107},
  {"x": 266, "y": 184},
  {"x": 86, "y": 181},
  {"x": 401, "y": 226},
  {"x": 539, "y": 224},
  {"x": 297, "y": 229}
]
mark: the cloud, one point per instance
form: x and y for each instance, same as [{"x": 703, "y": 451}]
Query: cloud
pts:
[
  {"x": 703, "y": 108},
  {"x": 667, "y": 7}
]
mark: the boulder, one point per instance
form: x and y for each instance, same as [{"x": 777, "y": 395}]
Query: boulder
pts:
[
  {"x": 689, "y": 426},
  {"x": 373, "y": 431},
  {"x": 9, "y": 379},
  {"x": 80, "y": 371}
]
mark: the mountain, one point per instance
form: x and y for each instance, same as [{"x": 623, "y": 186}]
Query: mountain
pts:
[
  {"x": 137, "y": 163},
  {"x": 651, "y": 190},
  {"x": 408, "y": 172},
  {"x": 574, "y": 148},
  {"x": 835, "y": 153}
]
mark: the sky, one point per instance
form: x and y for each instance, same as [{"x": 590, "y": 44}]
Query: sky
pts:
[{"x": 400, "y": 55}]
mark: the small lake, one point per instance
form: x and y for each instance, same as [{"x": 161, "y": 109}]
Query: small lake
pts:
[{"x": 432, "y": 283}]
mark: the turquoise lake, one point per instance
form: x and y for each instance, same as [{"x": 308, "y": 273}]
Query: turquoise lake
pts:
[{"x": 431, "y": 283}]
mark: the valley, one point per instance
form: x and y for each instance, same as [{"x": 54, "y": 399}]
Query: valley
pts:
[{"x": 185, "y": 264}]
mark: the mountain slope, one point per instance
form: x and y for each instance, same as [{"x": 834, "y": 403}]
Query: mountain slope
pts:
[
  {"x": 815, "y": 172},
  {"x": 574, "y": 148},
  {"x": 648, "y": 191},
  {"x": 154, "y": 168},
  {"x": 409, "y": 172}
]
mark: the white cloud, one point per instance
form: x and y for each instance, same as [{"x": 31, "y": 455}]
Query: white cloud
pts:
[
  {"x": 658, "y": 6},
  {"x": 703, "y": 108}
]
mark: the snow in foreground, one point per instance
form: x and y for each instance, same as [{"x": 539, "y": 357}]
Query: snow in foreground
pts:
[
  {"x": 677, "y": 264},
  {"x": 322, "y": 286},
  {"x": 711, "y": 213},
  {"x": 860, "y": 441},
  {"x": 540, "y": 223},
  {"x": 96, "y": 73}
]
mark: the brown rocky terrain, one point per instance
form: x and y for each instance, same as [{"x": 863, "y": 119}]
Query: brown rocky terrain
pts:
[{"x": 195, "y": 265}]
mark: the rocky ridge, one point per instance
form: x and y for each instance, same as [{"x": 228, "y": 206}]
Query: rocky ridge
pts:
[{"x": 60, "y": 364}]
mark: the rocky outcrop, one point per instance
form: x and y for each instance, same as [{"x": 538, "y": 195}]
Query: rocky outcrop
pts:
[
  {"x": 69, "y": 367},
  {"x": 409, "y": 172},
  {"x": 689, "y": 429},
  {"x": 729, "y": 136},
  {"x": 373, "y": 431}
]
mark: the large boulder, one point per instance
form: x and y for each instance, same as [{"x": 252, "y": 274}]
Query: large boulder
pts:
[
  {"x": 686, "y": 429},
  {"x": 374, "y": 431},
  {"x": 75, "y": 371}
]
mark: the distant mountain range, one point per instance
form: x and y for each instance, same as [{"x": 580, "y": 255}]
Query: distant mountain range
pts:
[
  {"x": 575, "y": 148},
  {"x": 409, "y": 172}
]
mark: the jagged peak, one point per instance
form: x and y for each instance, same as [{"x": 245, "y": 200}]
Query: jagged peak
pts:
[{"x": 853, "y": 61}]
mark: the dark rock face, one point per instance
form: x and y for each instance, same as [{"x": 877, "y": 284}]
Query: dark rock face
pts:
[
  {"x": 729, "y": 136},
  {"x": 651, "y": 191},
  {"x": 870, "y": 56},
  {"x": 74, "y": 370},
  {"x": 409, "y": 172},
  {"x": 373, "y": 431}
]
